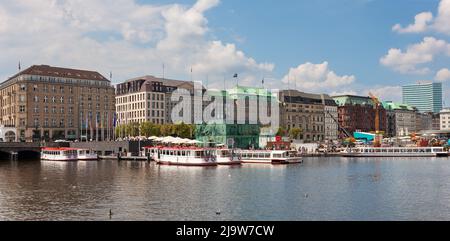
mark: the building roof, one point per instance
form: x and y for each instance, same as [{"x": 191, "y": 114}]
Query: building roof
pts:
[
  {"x": 46, "y": 70},
  {"x": 343, "y": 100},
  {"x": 389, "y": 105},
  {"x": 167, "y": 82},
  {"x": 302, "y": 97}
]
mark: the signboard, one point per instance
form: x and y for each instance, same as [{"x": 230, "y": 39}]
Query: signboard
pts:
[{"x": 278, "y": 139}]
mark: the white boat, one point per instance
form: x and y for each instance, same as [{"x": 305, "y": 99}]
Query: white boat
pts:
[
  {"x": 227, "y": 157},
  {"x": 185, "y": 156},
  {"x": 58, "y": 154},
  {"x": 270, "y": 156},
  {"x": 86, "y": 155},
  {"x": 394, "y": 152}
]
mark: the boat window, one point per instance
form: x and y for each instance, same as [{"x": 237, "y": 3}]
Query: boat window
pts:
[
  {"x": 277, "y": 155},
  {"x": 267, "y": 155}
]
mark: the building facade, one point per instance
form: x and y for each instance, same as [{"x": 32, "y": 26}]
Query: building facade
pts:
[
  {"x": 401, "y": 119},
  {"x": 147, "y": 98},
  {"x": 357, "y": 113},
  {"x": 45, "y": 102},
  {"x": 426, "y": 97},
  {"x": 331, "y": 118},
  {"x": 304, "y": 111},
  {"x": 445, "y": 119}
]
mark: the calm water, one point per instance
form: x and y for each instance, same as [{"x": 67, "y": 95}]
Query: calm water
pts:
[{"x": 319, "y": 189}]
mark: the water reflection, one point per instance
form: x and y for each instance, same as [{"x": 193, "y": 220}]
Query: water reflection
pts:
[{"x": 319, "y": 189}]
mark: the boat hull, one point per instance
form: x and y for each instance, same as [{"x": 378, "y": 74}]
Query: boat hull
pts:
[{"x": 190, "y": 164}]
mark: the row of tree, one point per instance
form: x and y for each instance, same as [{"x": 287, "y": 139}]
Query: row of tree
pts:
[
  {"x": 293, "y": 133},
  {"x": 150, "y": 129}
]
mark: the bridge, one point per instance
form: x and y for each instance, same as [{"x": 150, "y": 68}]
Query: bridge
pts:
[{"x": 19, "y": 151}]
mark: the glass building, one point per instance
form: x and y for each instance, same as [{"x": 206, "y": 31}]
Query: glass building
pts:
[{"x": 425, "y": 97}]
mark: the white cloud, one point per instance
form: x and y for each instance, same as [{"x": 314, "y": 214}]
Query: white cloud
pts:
[
  {"x": 416, "y": 54},
  {"x": 425, "y": 22},
  {"x": 386, "y": 93},
  {"x": 420, "y": 24},
  {"x": 443, "y": 75},
  {"x": 124, "y": 36},
  {"x": 317, "y": 77}
]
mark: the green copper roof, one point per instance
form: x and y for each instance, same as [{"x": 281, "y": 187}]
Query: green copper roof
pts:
[{"x": 388, "y": 105}]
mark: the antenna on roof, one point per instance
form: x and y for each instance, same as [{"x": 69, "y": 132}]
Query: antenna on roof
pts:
[{"x": 164, "y": 69}]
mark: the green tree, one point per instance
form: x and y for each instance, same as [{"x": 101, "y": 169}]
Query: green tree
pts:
[
  {"x": 294, "y": 133},
  {"x": 281, "y": 132},
  {"x": 146, "y": 129},
  {"x": 132, "y": 129}
]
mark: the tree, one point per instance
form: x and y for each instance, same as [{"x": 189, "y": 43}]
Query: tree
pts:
[
  {"x": 132, "y": 129},
  {"x": 281, "y": 131},
  {"x": 146, "y": 128},
  {"x": 294, "y": 133}
]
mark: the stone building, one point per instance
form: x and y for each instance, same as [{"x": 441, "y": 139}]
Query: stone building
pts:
[
  {"x": 401, "y": 119},
  {"x": 45, "y": 102},
  {"x": 357, "y": 113},
  {"x": 305, "y": 111}
]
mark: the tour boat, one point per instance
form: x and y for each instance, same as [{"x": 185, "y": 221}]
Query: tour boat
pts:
[
  {"x": 58, "y": 154},
  {"x": 185, "y": 156},
  {"x": 151, "y": 152},
  {"x": 227, "y": 157},
  {"x": 394, "y": 152},
  {"x": 270, "y": 156},
  {"x": 86, "y": 155}
]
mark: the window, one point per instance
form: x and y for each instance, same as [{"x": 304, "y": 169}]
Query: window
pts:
[
  {"x": 22, "y": 109},
  {"x": 23, "y": 87},
  {"x": 22, "y": 98},
  {"x": 53, "y": 122},
  {"x": 53, "y": 99},
  {"x": 70, "y": 122},
  {"x": 61, "y": 89},
  {"x": 46, "y": 109},
  {"x": 46, "y": 122},
  {"x": 45, "y": 88},
  {"x": 62, "y": 110},
  {"x": 54, "y": 110},
  {"x": 61, "y": 123},
  {"x": 45, "y": 99},
  {"x": 35, "y": 87},
  {"x": 61, "y": 99},
  {"x": 36, "y": 109},
  {"x": 36, "y": 99},
  {"x": 71, "y": 90},
  {"x": 70, "y": 100},
  {"x": 70, "y": 110},
  {"x": 36, "y": 122},
  {"x": 54, "y": 89},
  {"x": 22, "y": 122}
]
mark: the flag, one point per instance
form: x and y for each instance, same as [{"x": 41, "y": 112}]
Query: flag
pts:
[
  {"x": 110, "y": 75},
  {"x": 19, "y": 66},
  {"x": 114, "y": 120},
  {"x": 235, "y": 75},
  {"x": 263, "y": 81}
]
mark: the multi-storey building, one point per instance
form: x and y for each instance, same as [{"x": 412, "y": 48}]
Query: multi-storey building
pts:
[
  {"x": 445, "y": 119},
  {"x": 44, "y": 102},
  {"x": 426, "y": 97},
  {"x": 331, "y": 118},
  {"x": 401, "y": 119},
  {"x": 357, "y": 113},
  {"x": 147, "y": 98},
  {"x": 304, "y": 111}
]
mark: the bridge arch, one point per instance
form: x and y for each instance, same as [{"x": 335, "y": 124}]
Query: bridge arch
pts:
[{"x": 8, "y": 134}]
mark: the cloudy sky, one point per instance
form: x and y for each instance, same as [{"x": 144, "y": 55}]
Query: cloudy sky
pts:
[{"x": 328, "y": 46}]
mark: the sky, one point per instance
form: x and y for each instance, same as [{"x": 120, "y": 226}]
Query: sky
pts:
[{"x": 322, "y": 46}]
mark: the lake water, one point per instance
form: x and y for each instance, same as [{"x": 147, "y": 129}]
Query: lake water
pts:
[{"x": 319, "y": 189}]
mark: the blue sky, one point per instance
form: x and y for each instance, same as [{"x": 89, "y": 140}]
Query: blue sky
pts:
[{"x": 330, "y": 46}]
